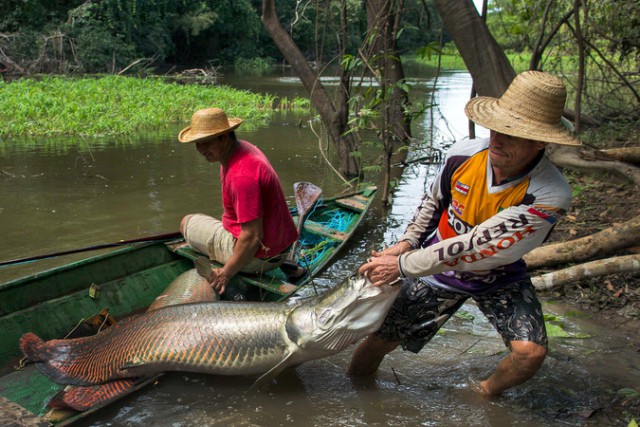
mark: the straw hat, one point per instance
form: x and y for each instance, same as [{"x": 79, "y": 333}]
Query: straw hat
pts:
[
  {"x": 530, "y": 108},
  {"x": 208, "y": 123}
]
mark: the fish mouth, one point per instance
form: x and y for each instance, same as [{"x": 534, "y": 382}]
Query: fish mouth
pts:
[
  {"x": 381, "y": 291},
  {"x": 369, "y": 299}
]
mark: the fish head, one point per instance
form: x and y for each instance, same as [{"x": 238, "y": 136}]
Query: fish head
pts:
[{"x": 342, "y": 315}]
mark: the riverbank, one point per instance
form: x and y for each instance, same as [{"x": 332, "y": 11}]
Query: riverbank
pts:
[
  {"x": 600, "y": 202},
  {"x": 614, "y": 300},
  {"x": 603, "y": 204},
  {"x": 450, "y": 59},
  {"x": 116, "y": 105}
]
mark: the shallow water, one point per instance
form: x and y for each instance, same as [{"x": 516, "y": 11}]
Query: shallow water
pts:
[
  {"x": 63, "y": 195},
  {"x": 428, "y": 389}
]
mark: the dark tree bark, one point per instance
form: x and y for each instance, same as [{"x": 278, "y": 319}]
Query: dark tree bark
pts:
[
  {"x": 334, "y": 118},
  {"x": 383, "y": 21},
  {"x": 383, "y": 18},
  {"x": 486, "y": 61}
]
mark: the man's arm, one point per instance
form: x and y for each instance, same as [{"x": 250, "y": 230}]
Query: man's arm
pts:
[
  {"x": 500, "y": 240},
  {"x": 244, "y": 251},
  {"x": 383, "y": 267},
  {"x": 424, "y": 222}
]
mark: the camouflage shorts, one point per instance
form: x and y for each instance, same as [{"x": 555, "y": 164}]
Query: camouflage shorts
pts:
[{"x": 422, "y": 308}]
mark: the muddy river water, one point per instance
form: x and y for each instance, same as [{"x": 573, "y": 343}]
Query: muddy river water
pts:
[{"x": 64, "y": 194}]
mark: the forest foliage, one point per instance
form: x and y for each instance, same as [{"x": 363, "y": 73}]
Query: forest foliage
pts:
[
  {"x": 78, "y": 36},
  {"x": 161, "y": 36}
]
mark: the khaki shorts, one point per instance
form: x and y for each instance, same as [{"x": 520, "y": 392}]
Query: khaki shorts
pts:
[{"x": 207, "y": 236}]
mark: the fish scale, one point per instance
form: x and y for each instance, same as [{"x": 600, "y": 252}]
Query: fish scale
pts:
[
  {"x": 224, "y": 338},
  {"x": 155, "y": 342},
  {"x": 187, "y": 287}
]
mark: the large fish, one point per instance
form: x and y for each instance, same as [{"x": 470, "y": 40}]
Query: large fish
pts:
[
  {"x": 223, "y": 338},
  {"x": 188, "y": 287}
]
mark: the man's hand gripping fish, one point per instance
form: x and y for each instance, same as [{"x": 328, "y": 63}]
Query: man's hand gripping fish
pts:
[{"x": 221, "y": 338}]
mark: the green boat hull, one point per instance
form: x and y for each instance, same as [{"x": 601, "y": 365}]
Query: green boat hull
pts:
[{"x": 127, "y": 280}]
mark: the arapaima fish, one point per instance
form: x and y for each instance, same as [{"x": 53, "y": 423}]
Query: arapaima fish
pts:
[{"x": 223, "y": 338}]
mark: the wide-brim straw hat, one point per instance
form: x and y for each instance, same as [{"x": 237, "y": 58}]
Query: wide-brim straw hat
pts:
[
  {"x": 208, "y": 123},
  {"x": 530, "y": 108}
]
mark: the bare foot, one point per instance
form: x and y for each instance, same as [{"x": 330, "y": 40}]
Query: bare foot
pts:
[{"x": 478, "y": 387}]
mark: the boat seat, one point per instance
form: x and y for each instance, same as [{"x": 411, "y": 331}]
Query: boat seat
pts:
[
  {"x": 323, "y": 230},
  {"x": 357, "y": 203}
]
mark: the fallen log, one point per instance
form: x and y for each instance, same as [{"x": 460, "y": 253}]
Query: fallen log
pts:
[
  {"x": 602, "y": 267},
  {"x": 586, "y": 159},
  {"x": 624, "y": 154},
  {"x": 598, "y": 244}
]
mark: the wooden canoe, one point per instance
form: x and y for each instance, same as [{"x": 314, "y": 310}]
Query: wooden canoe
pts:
[{"x": 51, "y": 303}]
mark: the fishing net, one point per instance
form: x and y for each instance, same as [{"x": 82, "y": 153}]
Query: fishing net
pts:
[{"x": 315, "y": 248}]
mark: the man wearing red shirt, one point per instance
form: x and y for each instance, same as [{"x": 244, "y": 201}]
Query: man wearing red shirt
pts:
[{"x": 256, "y": 230}]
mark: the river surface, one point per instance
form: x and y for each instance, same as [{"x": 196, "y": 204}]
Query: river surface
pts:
[{"x": 66, "y": 193}]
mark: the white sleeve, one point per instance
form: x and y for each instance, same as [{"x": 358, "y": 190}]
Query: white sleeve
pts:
[
  {"x": 500, "y": 240},
  {"x": 424, "y": 222}
]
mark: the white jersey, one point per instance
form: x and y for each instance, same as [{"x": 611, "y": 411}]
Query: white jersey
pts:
[{"x": 470, "y": 234}]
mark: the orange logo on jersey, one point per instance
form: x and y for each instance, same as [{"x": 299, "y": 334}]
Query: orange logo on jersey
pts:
[{"x": 457, "y": 207}]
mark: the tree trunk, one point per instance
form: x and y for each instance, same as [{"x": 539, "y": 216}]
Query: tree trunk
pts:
[
  {"x": 382, "y": 22},
  {"x": 602, "y": 243},
  {"x": 487, "y": 63},
  {"x": 603, "y": 267},
  {"x": 333, "y": 118}
]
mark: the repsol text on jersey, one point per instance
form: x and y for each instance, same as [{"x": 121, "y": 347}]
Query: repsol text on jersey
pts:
[{"x": 504, "y": 234}]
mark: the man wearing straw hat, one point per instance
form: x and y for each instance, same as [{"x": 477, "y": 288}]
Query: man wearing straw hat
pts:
[
  {"x": 256, "y": 229},
  {"x": 492, "y": 201}
]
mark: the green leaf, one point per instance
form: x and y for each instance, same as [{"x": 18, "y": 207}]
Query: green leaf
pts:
[{"x": 556, "y": 331}]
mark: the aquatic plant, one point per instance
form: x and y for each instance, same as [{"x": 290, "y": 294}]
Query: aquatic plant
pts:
[{"x": 115, "y": 105}]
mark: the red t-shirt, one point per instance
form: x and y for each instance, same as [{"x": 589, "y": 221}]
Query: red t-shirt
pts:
[{"x": 251, "y": 190}]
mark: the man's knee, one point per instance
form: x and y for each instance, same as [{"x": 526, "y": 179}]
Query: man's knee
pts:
[
  {"x": 527, "y": 355},
  {"x": 183, "y": 223}
]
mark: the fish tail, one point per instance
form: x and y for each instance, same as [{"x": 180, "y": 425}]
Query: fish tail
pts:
[
  {"x": 66, "y": 361},
  {"x": 85, "y": 398},
  {"x": 33, "y": 347},
  {"x": 44, "y": 354}
]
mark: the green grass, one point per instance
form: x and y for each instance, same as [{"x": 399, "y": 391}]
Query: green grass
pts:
[
  {"x": 452, "y": 60},
  {"x": 115, "y": 105}
]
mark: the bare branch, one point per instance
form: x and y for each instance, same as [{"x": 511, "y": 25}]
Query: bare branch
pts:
[{"x": 624, "y": 154}]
